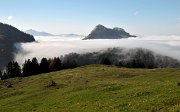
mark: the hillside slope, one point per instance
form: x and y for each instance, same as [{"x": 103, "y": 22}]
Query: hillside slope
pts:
[
  {"x": 10, "y": 34},
  {"x": 93, "y": 88}
]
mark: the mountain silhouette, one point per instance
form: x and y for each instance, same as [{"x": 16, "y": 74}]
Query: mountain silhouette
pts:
[
  {"x": 10, "y": 35},
  {"x": 38, "y": 33},
  {"x": 101, "y": 32}
]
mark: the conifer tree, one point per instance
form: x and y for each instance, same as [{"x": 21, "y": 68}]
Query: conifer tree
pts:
[
  {"x": 9, "y": 70},
  {"x": 27, "y": 68},
  {"x": 44, "y": 65},
  {"x": 35, "y": 66},
  {"x": 16, "y": 69}
]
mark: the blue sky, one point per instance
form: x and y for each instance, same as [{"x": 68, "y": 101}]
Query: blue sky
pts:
[{"x": 140, "y": 17}]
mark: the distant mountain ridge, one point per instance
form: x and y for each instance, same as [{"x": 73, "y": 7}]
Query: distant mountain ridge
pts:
[
  {"x": 38, "y": 33},
  {"x": 70, "y": 35},
  {"x": 101, "y": 32}
]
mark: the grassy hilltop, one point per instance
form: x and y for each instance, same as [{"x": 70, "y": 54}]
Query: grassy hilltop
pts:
[{"x": 93, "y": 88}]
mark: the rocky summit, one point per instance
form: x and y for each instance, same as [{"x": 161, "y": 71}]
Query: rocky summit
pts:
[{"x": 101, "y": 32}]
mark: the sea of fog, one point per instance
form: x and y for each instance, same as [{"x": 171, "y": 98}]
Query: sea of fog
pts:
[{"x": 52, "y": 46}]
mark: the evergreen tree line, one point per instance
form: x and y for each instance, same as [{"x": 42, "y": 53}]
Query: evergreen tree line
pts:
[
  {"x": 31, "y": 67},
  {"x": 134, "y": 58}
]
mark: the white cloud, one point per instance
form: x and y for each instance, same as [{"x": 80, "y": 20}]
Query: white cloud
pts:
[
  {"x": 136, "y": 13},
  {"x": 9, "y": 17},
  {"x": 50, "y": 47}
]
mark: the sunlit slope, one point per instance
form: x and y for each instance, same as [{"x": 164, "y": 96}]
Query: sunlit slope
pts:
[{"x": 93, "y": 88}]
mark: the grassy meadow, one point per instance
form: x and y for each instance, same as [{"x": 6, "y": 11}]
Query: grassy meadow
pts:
[{"x": 93, "y": 88}]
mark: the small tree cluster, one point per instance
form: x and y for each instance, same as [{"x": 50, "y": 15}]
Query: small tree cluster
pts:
[
  {"x": 12, "y": 70},
  {"x": 55, "y": 64},
  {"x": 32, "y": 67}
]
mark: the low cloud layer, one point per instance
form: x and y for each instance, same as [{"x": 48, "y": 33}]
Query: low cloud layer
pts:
[{"x": 56, "y": 46}]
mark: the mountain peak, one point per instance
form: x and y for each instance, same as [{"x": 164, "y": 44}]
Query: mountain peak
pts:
[
  {"x": 101, "y": 32},
  {"x": 100, "y": 26}
]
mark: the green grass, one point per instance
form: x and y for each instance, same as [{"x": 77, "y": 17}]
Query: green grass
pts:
[{"x": 94, "y": 88}]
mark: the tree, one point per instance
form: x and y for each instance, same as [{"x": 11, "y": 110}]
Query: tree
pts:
[
  {"x": 55, "y": 64},
  {"x": 1, "y": 77},
  {"x": 35, "y": 66},
  {"x": 16, "y": 69},
  {"x": 58, "y": 64},
  {"x": 13, "y": 70},
  {"x": 44, "y": 66},
  {"x": 31, "y": 67},
  {"x": 9, "y": 70},
  {"x": 27, "y": 68},
  {"x": 105, "y": 61}
]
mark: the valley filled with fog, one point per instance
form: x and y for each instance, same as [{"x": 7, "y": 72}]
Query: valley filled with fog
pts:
[{"x": 54, "y": 46}]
